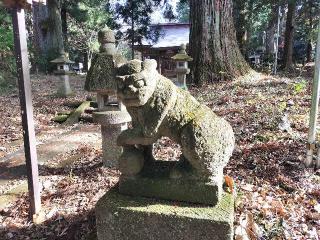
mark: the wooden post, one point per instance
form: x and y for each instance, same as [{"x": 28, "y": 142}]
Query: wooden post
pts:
[{"x": 21, "y": 53}]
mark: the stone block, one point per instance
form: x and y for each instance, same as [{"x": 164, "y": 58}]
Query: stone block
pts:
[
  {"x": 64, "y": 89},
  {"x": 121, "y": 217},
  {"x": 154, "y": 181}
]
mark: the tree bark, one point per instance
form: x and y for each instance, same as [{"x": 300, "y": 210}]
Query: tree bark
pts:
[
  {"x": 132, "y": 29},
  {"x": 288, "y": 40},
  {"x": 64, "y": 26},
  {"x": 240, "y": 20},
  {"x": 55, "y": 26},
  {"x": 213, "y": 43},
  {"x": 40, "y": 36},
  {"x": 271, "y": 31},
  {"x": 309, "y": 30}
]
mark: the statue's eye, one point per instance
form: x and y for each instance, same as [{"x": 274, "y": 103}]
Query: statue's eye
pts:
[{"x": 138, "y": 84}]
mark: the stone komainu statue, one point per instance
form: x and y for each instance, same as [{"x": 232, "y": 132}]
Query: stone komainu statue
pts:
[{"x": 158, "y": 108}]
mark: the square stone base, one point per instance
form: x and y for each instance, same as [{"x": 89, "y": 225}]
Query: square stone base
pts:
[{"x": 121, "y": 217}]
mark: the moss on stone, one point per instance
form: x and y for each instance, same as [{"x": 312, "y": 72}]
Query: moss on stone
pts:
[
  {"x": 60, "y": 118},
  {"x": 222, "y": 210},
  {"x": 123, "y": 217},
  {"x": 101, "y": 75},
  {"x": 207, "y": 141},
  {"x": 154, "y": 181}
]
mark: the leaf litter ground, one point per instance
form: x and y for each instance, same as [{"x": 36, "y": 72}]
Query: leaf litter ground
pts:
[{"x": 277, "y": 198}]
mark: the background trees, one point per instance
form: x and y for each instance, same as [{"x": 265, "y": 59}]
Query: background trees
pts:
[
  {"x": 183, "y": 11},
  {"x": 73, "y": 25},
  {"x": 7, "y": 61},
  {"x": 136, "y": 16},
  {"x": 85, "y": 19},
  {"x": 70, "y": 25},
  {"x": 306, "y": 21}
]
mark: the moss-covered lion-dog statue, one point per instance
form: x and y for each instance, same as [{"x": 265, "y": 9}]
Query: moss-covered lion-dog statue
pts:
[{"x": 159, "y": 108}]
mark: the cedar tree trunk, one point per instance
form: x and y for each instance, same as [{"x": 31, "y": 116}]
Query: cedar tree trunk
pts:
[
  {"x": 288, "y": 38},
  {"x": 240, "y": 18},
  {"x": 41, "y": 35},
  {"x": 55, "y": 26},
  {"x": 64, "y": 26},
  {"x": 270, "y": 32},
  {"x": 213, "y": 43},
  {"x": 309, "y": 30}
]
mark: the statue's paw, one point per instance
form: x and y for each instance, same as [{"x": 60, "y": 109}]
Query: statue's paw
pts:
[
  {"x": 121, "y": 140},
  {"x": 124, "y": 138},
  {"x": 131, "y": 162}
]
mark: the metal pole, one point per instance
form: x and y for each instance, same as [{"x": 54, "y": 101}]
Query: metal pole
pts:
[
  {"x": 277, "y": 43},
  {"x": 314, "y": 107},
  {"x": 21, "y": 53}
]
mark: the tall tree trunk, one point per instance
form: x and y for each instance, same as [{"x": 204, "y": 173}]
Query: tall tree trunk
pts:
[
  {"x": 288, "y": 40},
  {"x": 309, "y": 30},
  {"x": 64, "y": 26},
  {"x": 213, "y": 43},
  {"x": 132, "y": 30},
  {"x": 309, "y": 51},
  {"x": 270, "y": 40},
  {"x": 55, "y": 26},
  {"x": 85, "y": 61},
  {"x": 240, "y": 20},
  {"x": 271, "y": 31},
  {"x": 40, "y": 41}
]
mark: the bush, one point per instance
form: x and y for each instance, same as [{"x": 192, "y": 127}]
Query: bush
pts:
[{"x": 7, "y": 61}]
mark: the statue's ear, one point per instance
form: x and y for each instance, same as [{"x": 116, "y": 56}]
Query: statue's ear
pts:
[
  {"x": 149, "y": 65},
  {"x": 131, "y": 67}
]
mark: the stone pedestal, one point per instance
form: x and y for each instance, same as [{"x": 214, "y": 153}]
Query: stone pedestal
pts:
[
  {"x": 112, "y": 124},
  {"x": 122, "y": 217},
  {"x": 182, "y": 77},
  {"x": 64, "y": 89}
]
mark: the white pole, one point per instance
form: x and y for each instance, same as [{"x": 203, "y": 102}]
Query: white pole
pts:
[
  {"x": 277, "y": 43},
  {"x": 314, "y": 107}
]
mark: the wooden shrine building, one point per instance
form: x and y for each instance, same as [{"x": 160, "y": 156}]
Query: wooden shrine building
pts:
[{"x": 172, "y": 35}]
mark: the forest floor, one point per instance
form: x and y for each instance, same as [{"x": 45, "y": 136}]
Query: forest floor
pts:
[{"x": 276, "y": 197}]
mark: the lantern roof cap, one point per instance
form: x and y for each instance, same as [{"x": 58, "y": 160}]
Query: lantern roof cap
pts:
[
  {"x": 182, "y": 55},
  {"x": 63, "y": 58}
]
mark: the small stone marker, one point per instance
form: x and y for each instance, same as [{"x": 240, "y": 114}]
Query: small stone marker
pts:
[
  {"x": 167, "y": 199},
  {"x": 63, "y": 72},
  {"x": 111, "y": 114},
  {"x": 182, "y": 59}
]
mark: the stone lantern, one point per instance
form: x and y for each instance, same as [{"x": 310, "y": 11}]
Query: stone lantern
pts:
[
  {"x": 182, "y": 59},
  {"x": 63, "y": 71},
  {"x": 111, "y": 114}
]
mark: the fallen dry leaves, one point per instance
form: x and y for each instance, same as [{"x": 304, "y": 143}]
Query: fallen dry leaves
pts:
[{"x": 276, "y": 197}]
